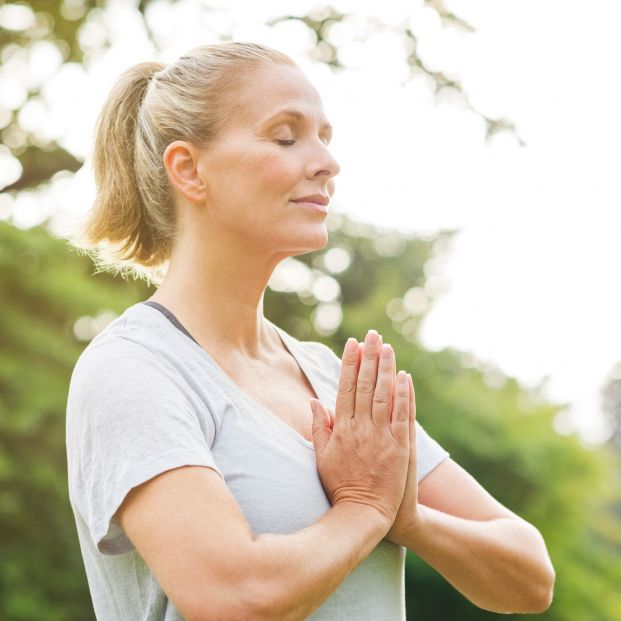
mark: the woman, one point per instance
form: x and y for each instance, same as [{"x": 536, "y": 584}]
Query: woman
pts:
[{"x": 202, "y": 486}]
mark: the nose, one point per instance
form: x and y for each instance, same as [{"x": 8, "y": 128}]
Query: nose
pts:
[{"x": 323, "y": 164}]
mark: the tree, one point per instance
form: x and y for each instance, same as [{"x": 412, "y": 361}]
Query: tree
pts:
[
  {"x": 611, "y": 395},
  {"x": 62, "y": 25}
]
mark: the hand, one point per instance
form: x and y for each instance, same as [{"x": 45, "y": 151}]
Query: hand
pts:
[
  {"x": 408, "y": 510},
  {"x": 363, "y": 452}
]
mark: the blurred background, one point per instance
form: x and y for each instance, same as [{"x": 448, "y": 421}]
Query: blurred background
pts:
[{"x": 475, "y": 226}]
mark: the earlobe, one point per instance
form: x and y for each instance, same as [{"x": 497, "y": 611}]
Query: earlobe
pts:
[{"x": 183, "y": 168}]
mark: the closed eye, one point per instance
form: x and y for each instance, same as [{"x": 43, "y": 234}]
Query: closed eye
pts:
[{"x": 288, "y": 143}]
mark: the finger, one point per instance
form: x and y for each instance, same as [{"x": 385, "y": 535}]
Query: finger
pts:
[
  {"x": 383, "y": 388},
  {"x": 346, "y": 395},
  {"x": 400, "y": 422},
  {"x": 321, "y": 426},
  {"x": 367, "y": 376},
  {"x": 394, "y": 379},
  {"x": 394, "y": 359},
  {"x": 412, "y": 399}
]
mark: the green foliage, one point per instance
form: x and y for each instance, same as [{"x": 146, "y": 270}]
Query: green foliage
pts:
[
  {"x": 45, "y": 290},
  {"x": 502, "y": 435}
]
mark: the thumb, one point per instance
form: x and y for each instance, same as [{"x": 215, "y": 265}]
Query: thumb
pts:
[
  {"x": 321, "y": 426},
  {"x": 331, "y": 413}
]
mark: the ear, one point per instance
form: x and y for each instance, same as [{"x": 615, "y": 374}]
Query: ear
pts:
[{"x": 182, "y": 162}]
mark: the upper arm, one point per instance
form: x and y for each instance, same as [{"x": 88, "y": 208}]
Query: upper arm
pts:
[
  {"x": 451, "y": 489},
  {"x": 192, "y": 534},
  {"x": 142, "y": 475}
]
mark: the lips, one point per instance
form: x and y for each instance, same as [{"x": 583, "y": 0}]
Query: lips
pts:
[{"x": 318, "y": 199}]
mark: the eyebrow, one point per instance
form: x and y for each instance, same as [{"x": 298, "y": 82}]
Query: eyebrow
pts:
[{"x": 296, "y": 114}]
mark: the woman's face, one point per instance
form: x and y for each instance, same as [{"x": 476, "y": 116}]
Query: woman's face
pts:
[{"x": 272, "y": 151}]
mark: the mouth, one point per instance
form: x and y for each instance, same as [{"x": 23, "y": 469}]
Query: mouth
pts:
[
  {"x": 312, "y": 205},
  {"x": 313, "y": 201}
]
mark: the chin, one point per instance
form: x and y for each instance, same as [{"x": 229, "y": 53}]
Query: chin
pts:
[
  {"x": 309, "y": 243},
  {"x": 321, "y": 239}
]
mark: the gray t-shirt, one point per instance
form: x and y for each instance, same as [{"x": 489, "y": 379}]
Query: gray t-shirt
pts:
[{"x": 144, "y": 398}]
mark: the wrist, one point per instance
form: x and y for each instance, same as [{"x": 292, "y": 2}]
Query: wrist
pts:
[
  {"x": 365, "y": 513},
  {"x": 419, "y": 520},
  {"x": 417, "y": 529}
]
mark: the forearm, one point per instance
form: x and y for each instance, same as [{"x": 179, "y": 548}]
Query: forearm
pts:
[
  {"x": 500, "y": 565},
  {"x": 302, "y": 569}
]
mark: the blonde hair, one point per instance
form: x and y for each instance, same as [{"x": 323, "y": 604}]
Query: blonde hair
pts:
[{"x": 131, "y": 227}]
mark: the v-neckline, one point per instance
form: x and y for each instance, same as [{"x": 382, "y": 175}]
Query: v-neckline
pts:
[{"x": 289, "y": 345}]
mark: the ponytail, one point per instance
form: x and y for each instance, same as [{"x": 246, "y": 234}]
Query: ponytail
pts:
[{"x": 118, "y": 215}]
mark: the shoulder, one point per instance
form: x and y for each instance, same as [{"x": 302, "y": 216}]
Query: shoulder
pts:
[
  {"x": 123, "y": 362},
  {"x": 135, "y": 341},
  {"x": 122, "y": 390}
]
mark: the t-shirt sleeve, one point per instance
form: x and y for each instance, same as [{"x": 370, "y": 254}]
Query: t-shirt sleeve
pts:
[
  {"x": 429, "y": 453},
  {"x": 129, "y": 418}
]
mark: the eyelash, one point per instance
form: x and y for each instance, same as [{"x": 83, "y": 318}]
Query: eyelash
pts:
[{"x": 290, "y": 143}]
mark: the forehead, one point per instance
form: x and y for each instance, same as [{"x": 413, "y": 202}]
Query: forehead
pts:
[{"x": 269, "y": 89}]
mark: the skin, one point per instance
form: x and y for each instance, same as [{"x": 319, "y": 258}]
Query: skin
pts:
[{"x": 236, "y": 223}]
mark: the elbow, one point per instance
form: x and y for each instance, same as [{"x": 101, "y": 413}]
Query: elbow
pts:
[
  {"x": 544, "y": 586},
  {"x": 533, "y": 596},
  {"x": 538, "y": 597},
  {"x": 544, "y": 594},
  {"x": 534, "y": 600},
  {"x": 541, "y": 591}
]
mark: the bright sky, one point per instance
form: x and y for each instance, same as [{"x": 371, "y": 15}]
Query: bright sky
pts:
[{"x": 529, "y": 282}]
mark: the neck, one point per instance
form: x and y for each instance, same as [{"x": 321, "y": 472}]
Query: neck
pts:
[{"x": 216, "y": 292}]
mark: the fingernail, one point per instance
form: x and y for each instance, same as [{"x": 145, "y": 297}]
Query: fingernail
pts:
[
  {"x": 351, "y": 345},
  {"x": 386, "y": 350},
  {"x": 401, "y": 377},
  {"x": 369, "y": 336}
]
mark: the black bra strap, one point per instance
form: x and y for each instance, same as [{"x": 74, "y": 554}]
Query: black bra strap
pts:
[{"x": 170, "y": 317}]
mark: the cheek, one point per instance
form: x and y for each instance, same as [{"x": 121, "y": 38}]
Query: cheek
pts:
[{"x": 272, "y": 170}]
